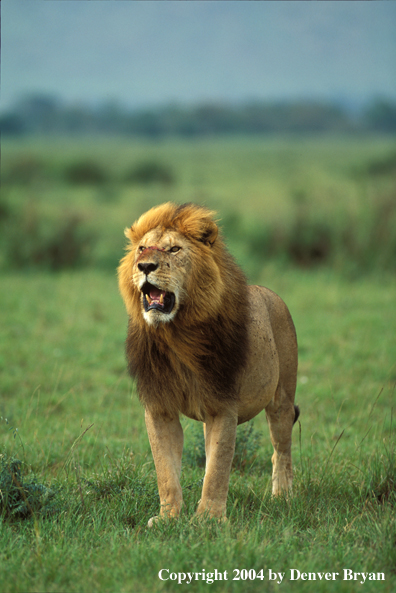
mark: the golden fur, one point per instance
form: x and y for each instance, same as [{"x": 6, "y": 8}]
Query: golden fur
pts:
[
  {"x": 205, "y": 344},
  {"x": 202, "y": 343}
]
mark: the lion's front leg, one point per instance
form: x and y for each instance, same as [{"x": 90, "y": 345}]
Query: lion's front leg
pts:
[
  {"x": 166, "y": 441},
  {"x": 220, "y": 435}
]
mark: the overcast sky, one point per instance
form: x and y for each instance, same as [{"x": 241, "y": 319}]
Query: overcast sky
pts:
[{"x": 151, "y": 52}]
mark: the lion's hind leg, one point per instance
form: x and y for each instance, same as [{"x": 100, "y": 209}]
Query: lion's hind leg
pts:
[{"x": 281, "y": 415}]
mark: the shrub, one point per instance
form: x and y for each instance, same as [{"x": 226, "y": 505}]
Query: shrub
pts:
[
  {"x": 384, "y": 166},
  {"x": 20, "y": 497},
  {"x": 85, "y": 173},
  {"x": 194, "y": 453},
  {"x": 309, "y": 242},
  {"x": 363, "y": 241},
  {"x": 246, "y": 447},
  {"x": 25, "y": 170},
  {"x": 150, "y": 172},
  {"x": 31, "y": 238}
]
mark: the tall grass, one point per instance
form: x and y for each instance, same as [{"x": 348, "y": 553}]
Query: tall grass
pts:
[{"x": 308, "y": 203}]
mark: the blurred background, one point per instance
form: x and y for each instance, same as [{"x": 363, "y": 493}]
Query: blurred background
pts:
[{"x": 279, "y": 115}]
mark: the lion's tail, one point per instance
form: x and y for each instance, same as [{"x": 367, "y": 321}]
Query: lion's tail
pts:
[{"x": 296, "y": 413}]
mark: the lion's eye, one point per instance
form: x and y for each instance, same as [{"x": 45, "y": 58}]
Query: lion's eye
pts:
[
  {"x": 174, "y": 249},
  {"x": 142, "y": 248}
]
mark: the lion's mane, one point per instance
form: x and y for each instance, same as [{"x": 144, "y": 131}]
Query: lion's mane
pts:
[{"x": 191, "y": 363}]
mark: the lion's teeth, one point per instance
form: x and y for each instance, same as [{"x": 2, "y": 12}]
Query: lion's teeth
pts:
[
  {"x": 148, "y": 299},
  {"x": 161, "y": 298}
]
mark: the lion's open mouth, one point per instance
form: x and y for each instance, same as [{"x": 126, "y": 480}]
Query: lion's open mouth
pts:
[{"x": 155, "y": 298}]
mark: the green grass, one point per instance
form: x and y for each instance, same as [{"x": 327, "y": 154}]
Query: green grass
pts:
[
  {"x": 63, "y": 371},
  {"x": 70, "y": 413}
]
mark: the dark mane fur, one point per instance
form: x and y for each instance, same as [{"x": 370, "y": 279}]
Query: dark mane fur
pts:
[{"x": 187, "y": 367}]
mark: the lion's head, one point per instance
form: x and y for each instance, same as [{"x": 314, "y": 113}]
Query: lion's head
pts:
[{"x": 174, "y": 265}]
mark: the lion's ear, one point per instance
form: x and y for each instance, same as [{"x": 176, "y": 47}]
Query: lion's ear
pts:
[
  {"x": 209, "y": 232},
  {"x": 130, "y": 233},
  {"x": 196, "y": 222}
]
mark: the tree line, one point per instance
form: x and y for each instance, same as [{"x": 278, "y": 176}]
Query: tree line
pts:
[{"x": 42, "y": 114}]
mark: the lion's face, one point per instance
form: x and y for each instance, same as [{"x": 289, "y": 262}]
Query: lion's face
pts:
[
  {"x": 172, "y": 271},
  {"x": 161, "y": 270}
]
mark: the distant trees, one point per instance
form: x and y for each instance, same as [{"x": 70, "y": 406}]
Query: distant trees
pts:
[
  {"x": 46, "y": 115},
  {"x": 381, "y": 116}
]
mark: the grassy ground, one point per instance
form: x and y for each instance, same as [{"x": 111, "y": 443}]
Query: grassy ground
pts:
[
  {"x": 63, "y": 371},
  {"x": 71, "y": 416}
]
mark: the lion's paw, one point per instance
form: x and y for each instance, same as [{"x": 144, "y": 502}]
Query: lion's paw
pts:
[{"x": 153, "y": 521}]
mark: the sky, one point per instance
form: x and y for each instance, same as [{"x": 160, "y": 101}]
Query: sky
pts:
[{"x": 146, "y": 53}]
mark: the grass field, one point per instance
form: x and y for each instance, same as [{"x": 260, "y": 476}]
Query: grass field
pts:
[{"x": 71, "y": 416}]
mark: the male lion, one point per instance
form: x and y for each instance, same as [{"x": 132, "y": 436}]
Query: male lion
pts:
[{"x": 204, "y": 344}]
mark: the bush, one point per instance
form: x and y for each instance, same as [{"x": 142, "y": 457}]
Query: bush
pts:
[
  {"x": 85, "y": 173},
  {"x": 25, "y": 170},
  {"x": 21, "y": 497},
  {"x": 31, "y": 238},
  {"x": 384, "y": 166},
  {"x": 150, "y": 172},
  {"x": 246, "y": 447},
  {"x": 308, "y": 239}
]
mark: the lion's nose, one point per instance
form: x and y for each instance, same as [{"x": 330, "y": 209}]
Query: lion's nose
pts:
[{"x": 147, "y": 267}]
